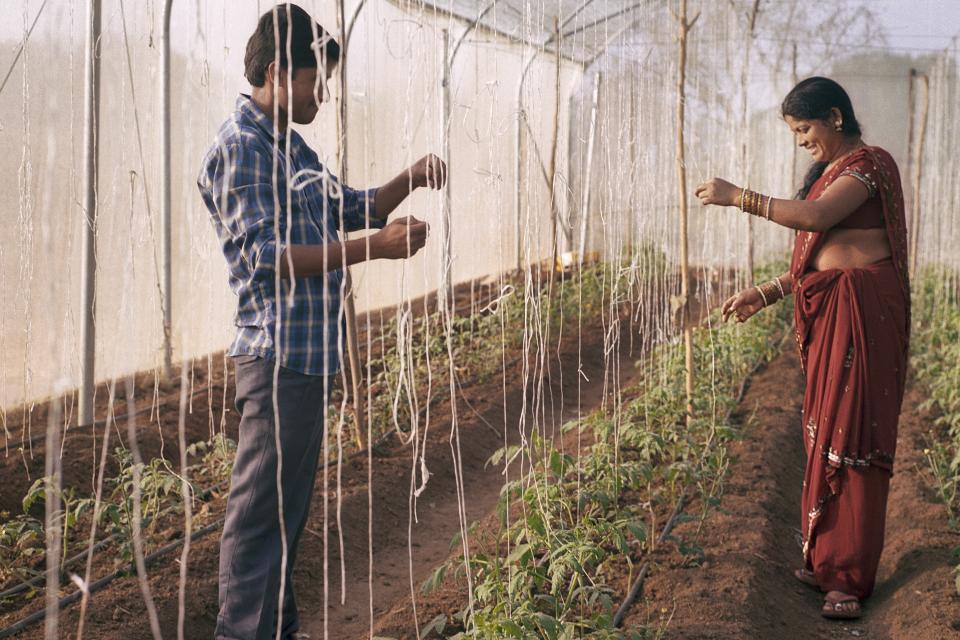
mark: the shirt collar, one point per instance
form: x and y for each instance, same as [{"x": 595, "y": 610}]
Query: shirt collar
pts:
[{"x": 249, "y": 111}]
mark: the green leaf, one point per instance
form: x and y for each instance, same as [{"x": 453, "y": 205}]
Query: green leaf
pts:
[
  {"x": 36, "y": 493},
  {"x": 638, "y": 529},
  {"x": 437, "y": 625}
]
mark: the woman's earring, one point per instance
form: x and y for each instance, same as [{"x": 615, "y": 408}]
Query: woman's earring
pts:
[{"x": 838, "y": 125}]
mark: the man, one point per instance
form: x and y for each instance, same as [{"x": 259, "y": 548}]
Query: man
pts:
[{"x": 278, "y": 214}]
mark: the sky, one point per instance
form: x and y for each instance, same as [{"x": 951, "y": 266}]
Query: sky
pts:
[
  {"x": 912, "y": 25},
  {"x": 919, "y": 23}
]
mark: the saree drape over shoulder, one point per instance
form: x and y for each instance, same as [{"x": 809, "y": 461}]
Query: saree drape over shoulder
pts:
[{"x": 852, "y": 331}]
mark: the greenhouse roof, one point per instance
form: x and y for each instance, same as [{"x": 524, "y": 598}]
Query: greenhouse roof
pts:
[{"x": 586, "y": 27}]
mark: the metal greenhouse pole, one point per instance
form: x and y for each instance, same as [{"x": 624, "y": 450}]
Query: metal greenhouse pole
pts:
[
  {"x": 914, "y": 233},
  {"x": 349, "y": 308},
  {"x": 587, "y": 182},
  {"x": 449, "y": 55},
  {"x": 518, "y": 129},
  {"x": 165, "y": 222},
  {"x": 520, "y": 115},
  {"x": 88, "y": 278}
]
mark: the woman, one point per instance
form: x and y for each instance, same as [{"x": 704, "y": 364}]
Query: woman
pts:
[{"x": 852, "y": 310}]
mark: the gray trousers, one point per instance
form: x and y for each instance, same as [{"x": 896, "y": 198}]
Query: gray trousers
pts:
[{"x": 250, "y": 548}]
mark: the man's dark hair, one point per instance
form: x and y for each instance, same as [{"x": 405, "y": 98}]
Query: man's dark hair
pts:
[{"x": 294, "y": 23}]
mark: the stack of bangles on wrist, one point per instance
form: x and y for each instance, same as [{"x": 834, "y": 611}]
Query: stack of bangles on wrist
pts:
[
  {"x": 770, "y": 292},
  {"x": 756, "y": 204}
]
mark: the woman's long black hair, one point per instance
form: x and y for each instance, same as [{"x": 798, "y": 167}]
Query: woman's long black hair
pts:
[{"x": 812, "y": 99}]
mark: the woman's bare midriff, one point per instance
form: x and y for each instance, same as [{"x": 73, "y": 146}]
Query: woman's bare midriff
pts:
[{"x": 852, "y": 249}]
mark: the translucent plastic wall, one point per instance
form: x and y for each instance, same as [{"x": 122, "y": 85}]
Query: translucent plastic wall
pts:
[
  {"x": 394, "y": 73},
  {"x": 937, "y": 169},
  {"x": 739, "y": 67}
]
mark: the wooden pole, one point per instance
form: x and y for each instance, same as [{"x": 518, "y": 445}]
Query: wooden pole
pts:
[
  {"x": 554, "y": 210},
  {"x": 682, "y": 187},
  {"x": 165, "y": 216},
  {"x": 793, "y": 82},
  {"x": 918, "y": 173},
  {"x": 349, "y": 308},
  {"x": 634, "y": 234}
]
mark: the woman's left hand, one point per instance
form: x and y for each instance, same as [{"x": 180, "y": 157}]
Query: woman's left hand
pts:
[{"x": 717, "y": 191}]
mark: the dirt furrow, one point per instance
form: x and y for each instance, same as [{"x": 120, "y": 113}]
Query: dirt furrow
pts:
[{"x": 744, "y": 587}]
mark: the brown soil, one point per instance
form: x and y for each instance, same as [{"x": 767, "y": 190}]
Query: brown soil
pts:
[
  {"x": 745, "y": 587},
  {"x": 118, "y": 611},
  {"x": 157, "y": 402},
  {"x": 742, "y": 587},
  {"x": 482, "y": 431},
  {"x": 157, "y": 405}
]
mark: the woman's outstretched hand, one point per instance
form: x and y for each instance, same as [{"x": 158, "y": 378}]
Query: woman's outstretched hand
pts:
[
  {"x": 742, "y": 305},
  {"x": 717, "y": 191}
]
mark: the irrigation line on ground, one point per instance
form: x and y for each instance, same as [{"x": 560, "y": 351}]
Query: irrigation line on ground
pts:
[
  {"x": 638, "y": 583},
  {"x": 40, "y": 579},
  {"x": 621, "y": 614},
  {"x": 23, "y": 623},
  {"x": 104, "y": 581}
]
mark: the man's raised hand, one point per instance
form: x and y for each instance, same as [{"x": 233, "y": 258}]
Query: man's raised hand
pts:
[
  {"x": 429, "y": 171},
  {"x": 400, "y": 239}
]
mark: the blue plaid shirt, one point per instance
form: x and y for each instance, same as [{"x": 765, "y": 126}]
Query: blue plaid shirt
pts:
[{"x": 245, "y": 204}]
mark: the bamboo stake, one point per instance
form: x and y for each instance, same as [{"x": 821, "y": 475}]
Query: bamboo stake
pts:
[
  {"x": 682, "y": 186},
  {"x": 910, "y": 118},
  {"x": 554, "y": 210},
  {"x": 165, "y": 216},
  {"x": 349, "y": 309},
  {"x": 793, "y": 160},
  {"x": 918, "y": 174},
  {"x": 633, "y": 238}
]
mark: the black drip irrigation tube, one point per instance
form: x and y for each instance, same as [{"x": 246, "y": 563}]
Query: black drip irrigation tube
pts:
[
  {"x": 99, "y": 584},
  {"x": 637, "y": 587},
  {"x": 104, "y": 581},
  {"x": 39, "y": 580},
  {"x": 131, "y": 569}
]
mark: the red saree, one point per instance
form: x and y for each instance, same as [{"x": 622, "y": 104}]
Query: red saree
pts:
[{"x": 852, "y": 330}]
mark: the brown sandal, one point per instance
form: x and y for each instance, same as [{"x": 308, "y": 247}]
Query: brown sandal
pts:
[
  {"x": 806, "y": 577},
  {"x": 840, "y": 606}
]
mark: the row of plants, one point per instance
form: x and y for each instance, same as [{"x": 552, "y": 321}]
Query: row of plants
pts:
[
  {"x": 571, "y": 526},
  {"x": 412, "y": 351},
  {"x": 935, "y": 358},
  {"x": 472, "y": 339},
  {"x": 23, "y": 536}
]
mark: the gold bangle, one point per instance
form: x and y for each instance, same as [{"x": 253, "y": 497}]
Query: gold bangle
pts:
[
  {"x": 780, "y": 287},
  {"x": 762, "y": 295}
]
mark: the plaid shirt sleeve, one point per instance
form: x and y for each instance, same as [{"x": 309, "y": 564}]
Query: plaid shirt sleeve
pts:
[
  {"x": 359, "y": 210},
  {"x": 242, "y": 194}
]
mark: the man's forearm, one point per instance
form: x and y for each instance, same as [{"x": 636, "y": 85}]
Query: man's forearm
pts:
[
  {"x": 390, "y": 195},
  {"x": 317, "y": 259}
]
